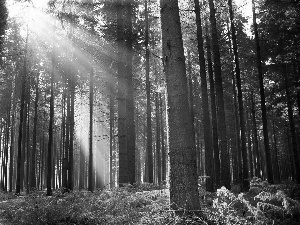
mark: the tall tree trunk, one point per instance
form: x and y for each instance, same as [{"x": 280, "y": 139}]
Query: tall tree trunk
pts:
[
  {"x": 240, "y": 100},
  {"x": 50, "y": 131},
  {"x": 214, "y": 121},
  {"x": 28, "y": 144},
  {"x": 149, "y": 165},
  {"x": 12, "y": 140},
  {"x": 158, "y": 151},
  {"x": 91, "y": 166},
  {"x": 263, "y": 101},
  {"x": 209, "y": 158},
  {"x": 72, "y": 124},
  {"x": 163, "y": 148},
  {"x": 22, "y": 102},
  {"x": 237, "y": 134},
  {"x": 295, "y": 152},
  {"x": 183, "y": 170},
  {"x": 275, "y": 161},
  {"x": 130, "y": 97},
  {"x": 249, "y": 145},
  {"x": 122, "y": 92},
  {"x": 111, "y": 135},
  {"x": 34, "y": 134},
  {"x": 255, "y": 138},
  {"x": 225, "y": 164}
]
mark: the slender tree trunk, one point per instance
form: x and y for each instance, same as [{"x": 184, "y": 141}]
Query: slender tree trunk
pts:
[
  {"x": 122, "y": 92},
  {"x": 249, "y": 145},
  {"x": 130, "y": 97},
  {"x": 50, "y": 131},
  {"x": 225, "y": 164},
  {"x": 238, "y": 156},
  {"x": 275, "y": 161},
  {"x": 263, "y": 101},
  {"x": 209, "y": 158},
  {"x": 35, "y": 119},
  {"x": 291, "y": 125},
  {"x": 183, "y": 169},
  {"x": 72, "y": 124},
  {"x": 213, "y": 114},
  {"x": 163, "y": 149},
  {"x": 255, "y": 138},
  {"x": 158, "y": 150},
  {"x": 240, "y": 100},
  {"x": 91, "y": 166},
  {"x": 149, "y": 165},
  {"x": 28, "y": 155},
  {"x": 12, "y": 140},
  {"x": 111, "y": 135},
  {"x": 22, "y": 100}
]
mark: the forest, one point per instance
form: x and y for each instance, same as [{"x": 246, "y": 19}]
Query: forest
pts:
[{"x": 149, "y": 112}]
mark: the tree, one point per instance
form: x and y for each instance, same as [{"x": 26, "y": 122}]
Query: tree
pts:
[
  {"x": 214, "y": 121},
  {"x": 209, "y": 168},
  {"x": 122, "y": 95},
  {"x": 91, "y": 163},
  {"x": 149, "y": 165},
  {"x": 262, "y": 101},
  {"x": 130, "y": 97},
  {"x": 240, "y": 100},
  {"x": 225, "y": 166},
  {"x": 34, "y": 136},
  {"x": 50, "y": 131},
  {"x": 183, "y": 172}
]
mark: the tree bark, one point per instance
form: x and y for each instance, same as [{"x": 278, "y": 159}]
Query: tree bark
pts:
[
  {"x": 263, "y": 101},
  {"x": 34, "y": 134},
  {"x": 291, "y": 124},
  {"x": 240, "y": 100},
  {"x": 50, "y": 131},
  {"x": 214, "y": 121},
  {"x": 209, "y": 158},
  {"x": 255, "y": 138},
  {"x": 149, "y": 165},
  {"x": 225, "y": 164},
  {"x": 183, "y": 171},
  {"x": 122, "y": 92},
  {"x": 91, "y": 166},
  {"x": 130, "y": 95}
]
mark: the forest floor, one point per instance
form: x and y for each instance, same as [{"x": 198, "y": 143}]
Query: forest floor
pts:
[{"x": 149, "y": 204}]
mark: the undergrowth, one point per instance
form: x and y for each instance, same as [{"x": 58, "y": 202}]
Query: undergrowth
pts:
[{"x": 149, "y": 204}]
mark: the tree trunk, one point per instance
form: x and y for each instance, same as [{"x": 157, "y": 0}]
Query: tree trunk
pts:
[
  {"x": 22, "y": 106},
  {"x": 209, "y": 158},
  {"x": 255, "y": 138},
  {"x": 50, "y": 131},
  {"x": 213, "y": 114},
  {"x": 72, "y": 124},
  {"x": 291, "y": 125},
  {"x": 183, "y": 171},
  {"x": 225, "y": 164},
  {"x": 111, "y": 135},
  {"x": 149, "y": 165},
  {"x": 12, "y": 140},
  {"x": 158, "y": 150},
  {"x": 91, "y": 166},
  {"x": 130, "y": 97},
  {"x": 275, "y": 161},
  {"x": 263, "y": 101},
  {"x": 122, "y": 91},
  {"x": 35, "y": 119},
  {"x": 240, "y": 101},
  {"x": 163, "y": 148}
]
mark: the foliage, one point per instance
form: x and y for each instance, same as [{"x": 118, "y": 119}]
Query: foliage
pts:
[{"x": 149, "y": 204}]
